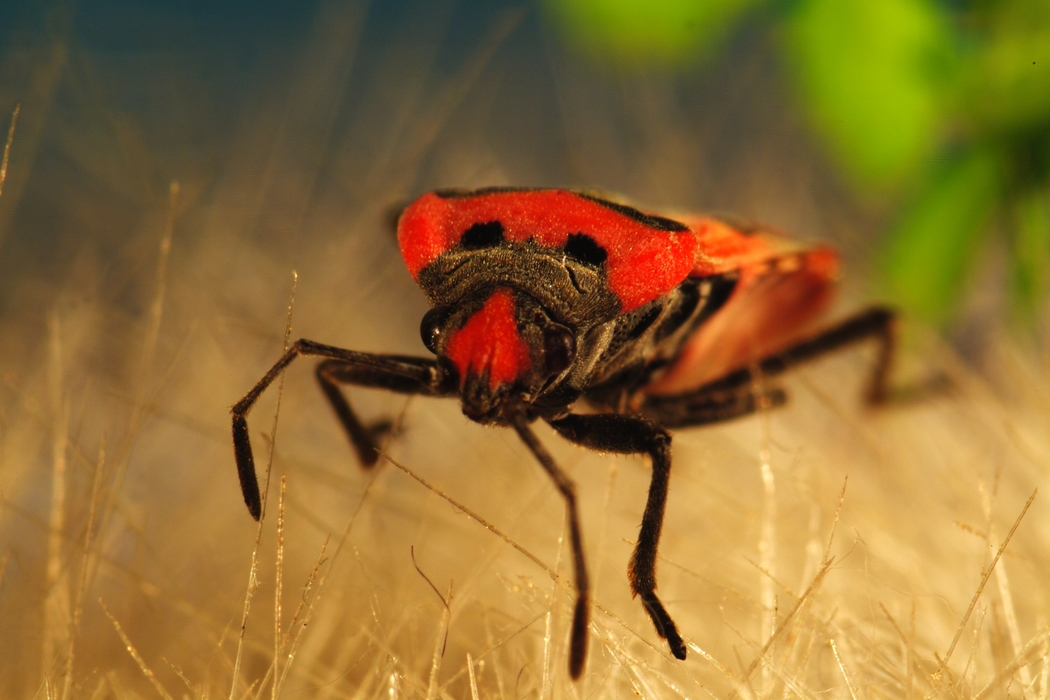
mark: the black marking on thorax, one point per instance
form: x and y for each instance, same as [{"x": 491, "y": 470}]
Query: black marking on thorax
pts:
[
  {"x": 650, "y": 337},
  {"x": 585, "y": 249},
  {"x": 480, "y": 236}
]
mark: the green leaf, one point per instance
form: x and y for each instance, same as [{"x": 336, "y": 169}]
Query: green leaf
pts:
[
  {"x": 874, "y": 75},
  {"x": 928, "y": 254},
  {"x": 1008, "y": 79},
  {"x": 646, "y": 32}
]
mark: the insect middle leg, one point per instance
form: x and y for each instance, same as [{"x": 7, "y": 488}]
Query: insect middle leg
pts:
[
  {"x": 407, "y": 375},
  {"x": 611, "y": 432}
]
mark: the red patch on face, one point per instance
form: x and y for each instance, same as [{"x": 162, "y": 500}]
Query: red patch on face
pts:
[
  {"x": 490, "y": 341},
  {"x": 643, "y": 262}
]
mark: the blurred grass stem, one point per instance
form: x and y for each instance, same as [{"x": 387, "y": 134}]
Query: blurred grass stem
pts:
[{"x": 7, "y": 147}]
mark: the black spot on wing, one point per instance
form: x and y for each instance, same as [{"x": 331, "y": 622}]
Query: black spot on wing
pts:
[
  {"x": 478, "y": 236},
  {"x": 656, "y": 222},
  {"x": 585, "y": 249}
]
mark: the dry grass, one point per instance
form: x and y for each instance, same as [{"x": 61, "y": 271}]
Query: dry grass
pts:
[{"x": 821, "y": 550}]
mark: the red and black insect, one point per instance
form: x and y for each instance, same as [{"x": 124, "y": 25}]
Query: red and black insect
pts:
[{"x": 547, "y": 300}]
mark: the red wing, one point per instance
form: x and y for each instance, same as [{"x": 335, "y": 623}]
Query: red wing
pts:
[
  {"x": 783, "y": 289},
  {"x": 724, "y": 247}
]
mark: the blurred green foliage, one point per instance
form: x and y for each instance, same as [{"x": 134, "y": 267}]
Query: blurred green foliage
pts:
[
  {"x": 874, "y": 77},
  {"x": 946, "y": 223},
  {"x": 938, "y": 109},
  {"x": 660, "y": 32}
]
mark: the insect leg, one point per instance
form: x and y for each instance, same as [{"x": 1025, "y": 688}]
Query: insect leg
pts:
[
  {"x": 364, "y": 439},
  {"x": 706, "y": 407},
  {"x": 581, "y": 613},
  {"x": 409, "y": 375},
  {"x": 629, "y": 435},
  {"x": 878, "y": 322}
]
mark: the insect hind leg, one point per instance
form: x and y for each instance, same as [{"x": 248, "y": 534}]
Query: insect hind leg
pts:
[{"x": 732, "y": 395}]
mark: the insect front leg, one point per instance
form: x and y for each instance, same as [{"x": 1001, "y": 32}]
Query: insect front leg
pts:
[
  {"x": 610, "y": 432},
  {"x": 567, "y": 488},
  {"x": 407, "y": 375},
  {"x": 392, "y": 377}
]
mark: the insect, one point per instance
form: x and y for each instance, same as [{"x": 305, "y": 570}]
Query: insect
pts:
[{"x": 608, "y": 323}]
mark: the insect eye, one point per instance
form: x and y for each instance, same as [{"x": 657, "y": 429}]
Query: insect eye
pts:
[
  {"x": 559, "y": 348},
  {"x": 433, "y": 325}
]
